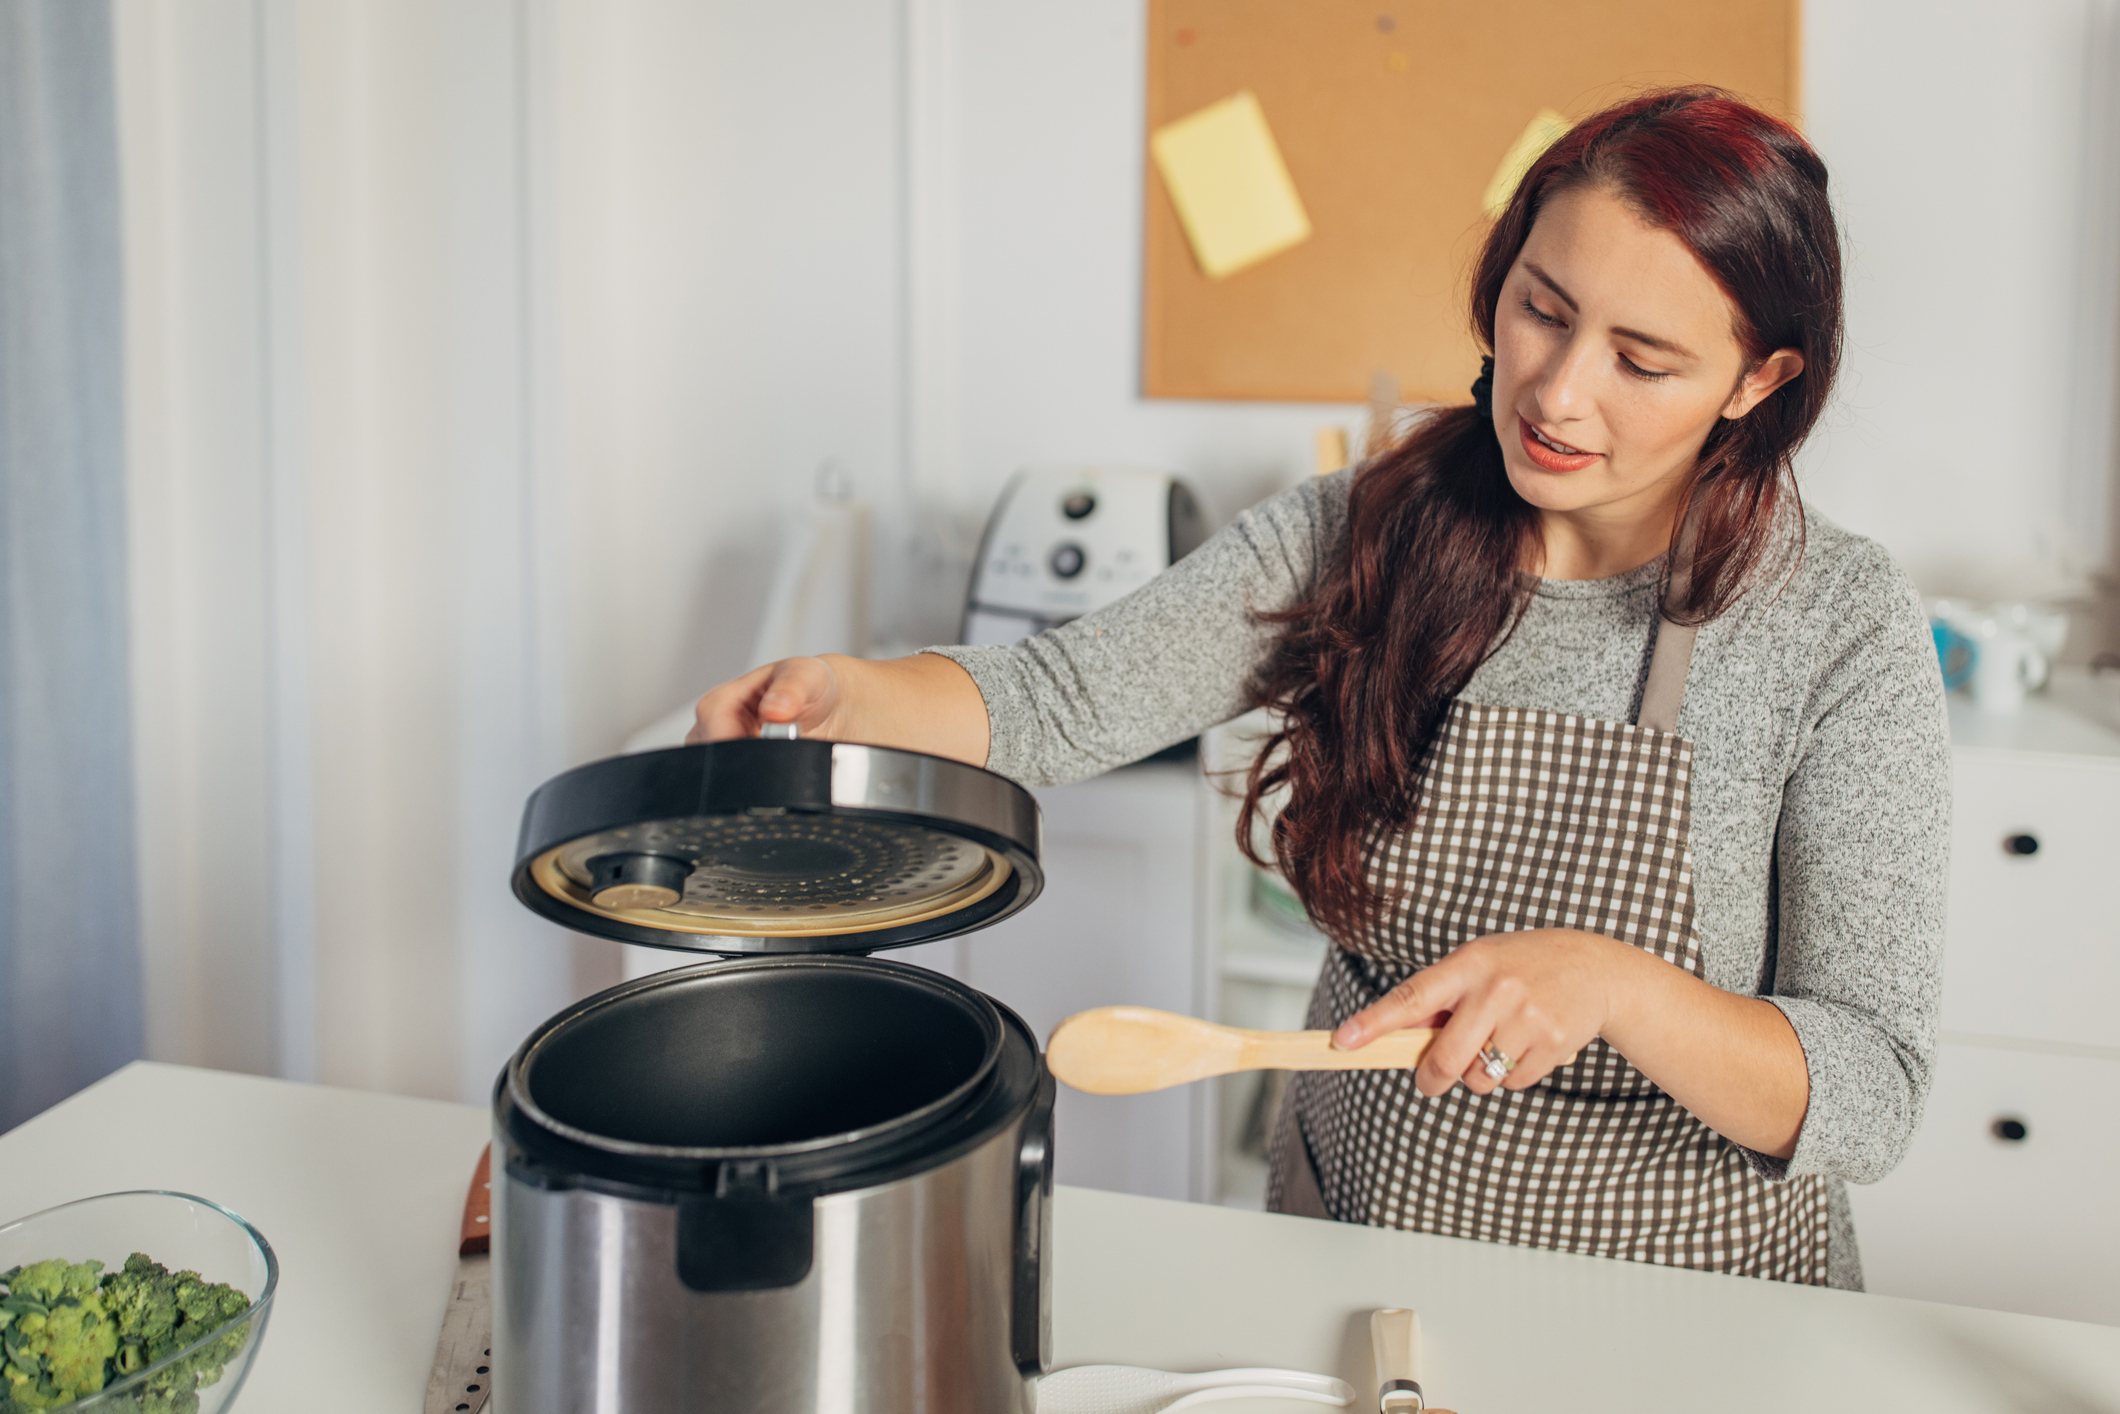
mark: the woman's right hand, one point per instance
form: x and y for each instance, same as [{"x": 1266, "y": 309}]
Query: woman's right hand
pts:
[
  {"x": 805, "y": 691},
  {"x": 921, "y": 703}
]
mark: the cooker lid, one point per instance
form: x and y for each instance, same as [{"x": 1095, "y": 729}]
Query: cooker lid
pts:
[{"x": 778, "y": 846}]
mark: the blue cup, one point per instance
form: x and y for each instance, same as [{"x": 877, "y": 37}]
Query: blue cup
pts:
[{"x": 1955, "y": 654}]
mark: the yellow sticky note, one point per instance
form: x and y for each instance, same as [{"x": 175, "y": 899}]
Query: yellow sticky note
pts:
[
  {"x": 1538, "y": 135},
  {"x": 1232, "y": 191}
]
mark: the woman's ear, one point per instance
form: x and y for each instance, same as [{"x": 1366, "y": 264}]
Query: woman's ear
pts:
[{"x": 1774, "y": 370}]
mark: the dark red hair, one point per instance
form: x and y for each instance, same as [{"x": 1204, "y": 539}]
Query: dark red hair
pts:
[{"x": 1432, "y": 578}]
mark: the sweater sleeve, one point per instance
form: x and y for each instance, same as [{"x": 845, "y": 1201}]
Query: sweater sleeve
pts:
[
  {"x": 1166, "y": 662},
  {"x": 1860, "y": 859}
]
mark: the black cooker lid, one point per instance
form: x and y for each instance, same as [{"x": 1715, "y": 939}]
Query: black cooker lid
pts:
[{"x": 778, "y": 846}]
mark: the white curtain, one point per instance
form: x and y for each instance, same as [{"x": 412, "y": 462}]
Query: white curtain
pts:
[
  {"x": 346, "y": 557},
  {"x": 70, "y": 1005},
  {"x": 480, "y": 354}
]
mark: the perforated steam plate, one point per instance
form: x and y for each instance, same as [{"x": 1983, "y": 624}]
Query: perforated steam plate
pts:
[{"x": 778, "y": 846}]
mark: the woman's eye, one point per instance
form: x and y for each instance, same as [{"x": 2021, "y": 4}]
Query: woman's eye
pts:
[
  {"x": 1640, "y": 372},
  {"x": 1539, "y": 314}
]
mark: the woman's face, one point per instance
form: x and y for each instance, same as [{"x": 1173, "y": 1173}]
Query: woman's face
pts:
[{"x": 1615, "y": 354}]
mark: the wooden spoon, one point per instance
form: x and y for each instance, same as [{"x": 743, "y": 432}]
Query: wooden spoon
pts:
[
  {"x": 1395, "y": 1342},
  {"x": 1126, "y": 1050}
]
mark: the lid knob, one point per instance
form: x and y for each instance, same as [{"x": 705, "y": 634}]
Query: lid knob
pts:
[{"x": 637, "y": 880}]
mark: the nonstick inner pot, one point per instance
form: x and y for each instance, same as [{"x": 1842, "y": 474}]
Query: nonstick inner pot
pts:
[{"x": 752, "y": 1058}]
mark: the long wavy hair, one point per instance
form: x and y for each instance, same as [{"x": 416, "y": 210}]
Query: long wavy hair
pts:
[{"x": 1434, "y": 576}]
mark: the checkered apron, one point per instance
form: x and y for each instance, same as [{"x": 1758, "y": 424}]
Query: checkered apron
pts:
[{"x": 1538, "y": 820}]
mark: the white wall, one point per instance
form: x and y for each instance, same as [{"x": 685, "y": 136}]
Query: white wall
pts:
[
  {"x": 776, "y": 253},
  {"x": 737, "y": 188},
  {"x": 727, "y": 218},
  {"x": 1974, "y": 168},
  {"x": 1049, "y": 150}
]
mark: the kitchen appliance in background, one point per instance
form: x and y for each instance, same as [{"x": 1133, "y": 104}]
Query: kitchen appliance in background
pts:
[
  {"x": 797, "y": 1178},
  {"x": 1064, "y": 543}
]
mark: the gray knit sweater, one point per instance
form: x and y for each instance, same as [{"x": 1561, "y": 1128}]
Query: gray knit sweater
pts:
[{"x": 1821, "y": 782}]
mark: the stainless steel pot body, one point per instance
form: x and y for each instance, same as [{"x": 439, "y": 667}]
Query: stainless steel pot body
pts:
[
  {"x": 898, "y": 1269},
  {"x": 906, "y": 1309}
]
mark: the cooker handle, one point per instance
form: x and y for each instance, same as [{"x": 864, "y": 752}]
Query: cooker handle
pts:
[
  {"x": 750, "y": 1234},
  {"x": 1031, "y": 1316}
]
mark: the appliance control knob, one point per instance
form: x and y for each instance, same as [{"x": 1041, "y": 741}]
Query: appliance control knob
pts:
[
  {"x": 2022, "y": 845},
  {"x": 1078, "y": 505},
  {"x": 2010, "y": 1129},
  {"x": 637, "y": 880},
  {"x": 1067, "y": 560}
]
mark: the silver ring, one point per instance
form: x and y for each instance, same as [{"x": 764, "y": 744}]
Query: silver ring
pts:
[{"x": 1495, "y": 1061}]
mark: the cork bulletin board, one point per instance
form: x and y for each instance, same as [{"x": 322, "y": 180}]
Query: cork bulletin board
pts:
[{"x": 1392, "y": 117}]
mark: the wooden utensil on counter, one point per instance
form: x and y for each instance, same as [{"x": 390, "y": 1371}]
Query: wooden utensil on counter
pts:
[
  {"x": 463, "y": 1358},
  {"x": 1127, "y": 1050},
  {"x": 1395, "y": 1344}
]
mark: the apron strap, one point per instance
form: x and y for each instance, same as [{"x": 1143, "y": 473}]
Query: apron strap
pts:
[
  {"x": 1672, "y": 658},
  {"x": 1668, "y": 666}
]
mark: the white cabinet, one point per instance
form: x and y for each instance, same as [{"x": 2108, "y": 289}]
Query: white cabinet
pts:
[
  {"x": 2034, "y": 947},
  {"x": 2005, "y": 1198}
]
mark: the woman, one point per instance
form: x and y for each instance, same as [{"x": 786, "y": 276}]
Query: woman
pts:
[{"x": 1599, "y": 754}]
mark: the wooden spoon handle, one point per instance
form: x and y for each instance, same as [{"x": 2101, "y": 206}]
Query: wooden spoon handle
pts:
[
  {"x": 1395, "y": 1342},
  {"x": 1312, "y": 1050},
  {"x": 1124, "y": 1050}
]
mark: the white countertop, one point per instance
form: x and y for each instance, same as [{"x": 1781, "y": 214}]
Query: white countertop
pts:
[
  {"x": 2075, "y": 716},
  {"x": 360, "y": 1194}
]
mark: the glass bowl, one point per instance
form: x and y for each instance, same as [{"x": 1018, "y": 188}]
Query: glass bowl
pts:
[{"x": 183, "y": 1233}]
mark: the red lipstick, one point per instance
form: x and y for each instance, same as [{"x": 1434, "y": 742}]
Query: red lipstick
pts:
[{"x": 1546, "y": 456}]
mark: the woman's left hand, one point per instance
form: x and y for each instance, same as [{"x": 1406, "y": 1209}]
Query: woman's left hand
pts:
[{"x": 1538, "y": 997}]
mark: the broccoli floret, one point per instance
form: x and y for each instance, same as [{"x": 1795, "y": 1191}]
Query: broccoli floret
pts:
[
  {"x": 65, "y": 1333},
  {"x": 158, "y": 1312},
  {"x": 49, "y": 1281},
  {"x": 56, "y": 1335},
  {"x": 142, "y": 1299}
]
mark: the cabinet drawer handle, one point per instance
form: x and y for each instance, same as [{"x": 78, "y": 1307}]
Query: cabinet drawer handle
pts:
[
  {"x": 2010, "y": 1130},
  {"x": 2022, "y": 845}
]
